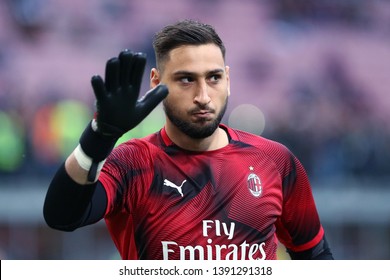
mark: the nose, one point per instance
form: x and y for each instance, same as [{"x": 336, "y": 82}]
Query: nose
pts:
[{"x": 202, "y": 96}]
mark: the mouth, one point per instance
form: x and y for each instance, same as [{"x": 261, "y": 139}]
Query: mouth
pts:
[{"x": 202, "y": 114}]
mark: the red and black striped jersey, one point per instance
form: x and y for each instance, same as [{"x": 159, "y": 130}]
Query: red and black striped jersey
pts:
[{"x": 232, "y": 203}]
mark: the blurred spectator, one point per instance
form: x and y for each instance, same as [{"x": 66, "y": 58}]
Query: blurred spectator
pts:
[{"x": 308, "y": 96}]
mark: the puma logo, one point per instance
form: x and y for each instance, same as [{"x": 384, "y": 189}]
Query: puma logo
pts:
[{"x": 172, "y": 185}]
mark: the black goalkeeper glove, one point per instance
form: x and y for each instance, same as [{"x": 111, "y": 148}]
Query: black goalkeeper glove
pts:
[{"x": 118, "y": 109}]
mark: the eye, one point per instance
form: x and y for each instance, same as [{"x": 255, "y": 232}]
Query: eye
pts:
[
  {"x": 215, "y": 78},
  {"x": 186, "y": 79}
]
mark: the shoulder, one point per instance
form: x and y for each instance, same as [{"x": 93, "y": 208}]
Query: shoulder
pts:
[
  {"x": 275, "y": 152},
  {"x": 267, "y": 145}
]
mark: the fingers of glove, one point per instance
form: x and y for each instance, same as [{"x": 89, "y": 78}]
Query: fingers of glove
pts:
[
  {"x": 151, "y": 99},
  {"x": 98, "y": 87},
  {"x": 112, "y": 74},
  {"x": 137, "y": 70},
  {"x": 126, "y": 59}
]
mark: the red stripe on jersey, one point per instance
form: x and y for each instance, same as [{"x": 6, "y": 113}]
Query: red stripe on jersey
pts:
[{"x": 310, "y": 244}]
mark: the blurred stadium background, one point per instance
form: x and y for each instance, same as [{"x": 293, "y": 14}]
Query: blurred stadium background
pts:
[{"x": 312, "y": 74}]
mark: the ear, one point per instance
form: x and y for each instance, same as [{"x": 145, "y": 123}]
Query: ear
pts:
[
  {"x": 154, "y": 77},
  {"x": 227, "y": 69}
]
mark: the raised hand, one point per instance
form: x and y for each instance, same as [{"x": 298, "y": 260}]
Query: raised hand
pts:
[{"x": 119, "y": 108}]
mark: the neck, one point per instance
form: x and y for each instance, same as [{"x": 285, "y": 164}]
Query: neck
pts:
[{"x": 217, "y": 140}]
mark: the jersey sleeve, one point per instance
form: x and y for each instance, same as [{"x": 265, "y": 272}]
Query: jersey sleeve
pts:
[
  {"x": 299, "y": 226},
  {"x": 123, "y": 173}
]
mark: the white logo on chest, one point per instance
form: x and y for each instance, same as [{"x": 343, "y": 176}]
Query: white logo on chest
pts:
[
  {"x": 172, "y": 185},
  {"x": 254, "y": 183}
]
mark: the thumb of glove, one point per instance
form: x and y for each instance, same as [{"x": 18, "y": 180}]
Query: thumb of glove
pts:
[{"x": 150, "y": 100}]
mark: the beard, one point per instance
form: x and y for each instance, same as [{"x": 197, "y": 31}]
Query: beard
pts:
[{"x": 198, "y": 130}]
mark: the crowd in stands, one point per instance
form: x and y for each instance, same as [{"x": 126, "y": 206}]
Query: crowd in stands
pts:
[{"x": 319, "y": 71}]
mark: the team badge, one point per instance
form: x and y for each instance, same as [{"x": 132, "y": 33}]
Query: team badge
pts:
[{"x": 254, "y": 183}]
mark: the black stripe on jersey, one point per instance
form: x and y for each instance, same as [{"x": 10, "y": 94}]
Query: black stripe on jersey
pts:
[
  {"x": 240, "y": 144},
  {"x": 193, "y": 186},
  {"x": 289, "y": 181}
]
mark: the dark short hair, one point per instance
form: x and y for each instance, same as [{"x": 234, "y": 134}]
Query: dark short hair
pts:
[{"x": 181, "y": 33}]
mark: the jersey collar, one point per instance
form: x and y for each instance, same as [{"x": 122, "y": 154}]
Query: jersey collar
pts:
[{"x": 230, "y": 132}]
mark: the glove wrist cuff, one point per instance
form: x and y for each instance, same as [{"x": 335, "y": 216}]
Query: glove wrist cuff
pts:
[
  {"x": 93, "y": 150},
  {"x": 96, "y": 145},
  {"x": 85, "y": 161}
]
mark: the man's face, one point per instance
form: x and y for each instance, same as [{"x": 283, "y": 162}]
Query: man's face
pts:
[{"x": 198, "y": 83}]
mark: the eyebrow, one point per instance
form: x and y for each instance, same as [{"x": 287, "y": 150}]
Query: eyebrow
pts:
[{"x": 189, "y": 73}]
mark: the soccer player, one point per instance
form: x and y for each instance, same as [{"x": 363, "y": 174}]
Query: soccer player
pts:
[{"x": 196, "y": 189}]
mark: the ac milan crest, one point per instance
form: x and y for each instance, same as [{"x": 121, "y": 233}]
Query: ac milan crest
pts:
[{"x": 254, "y": 183}]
